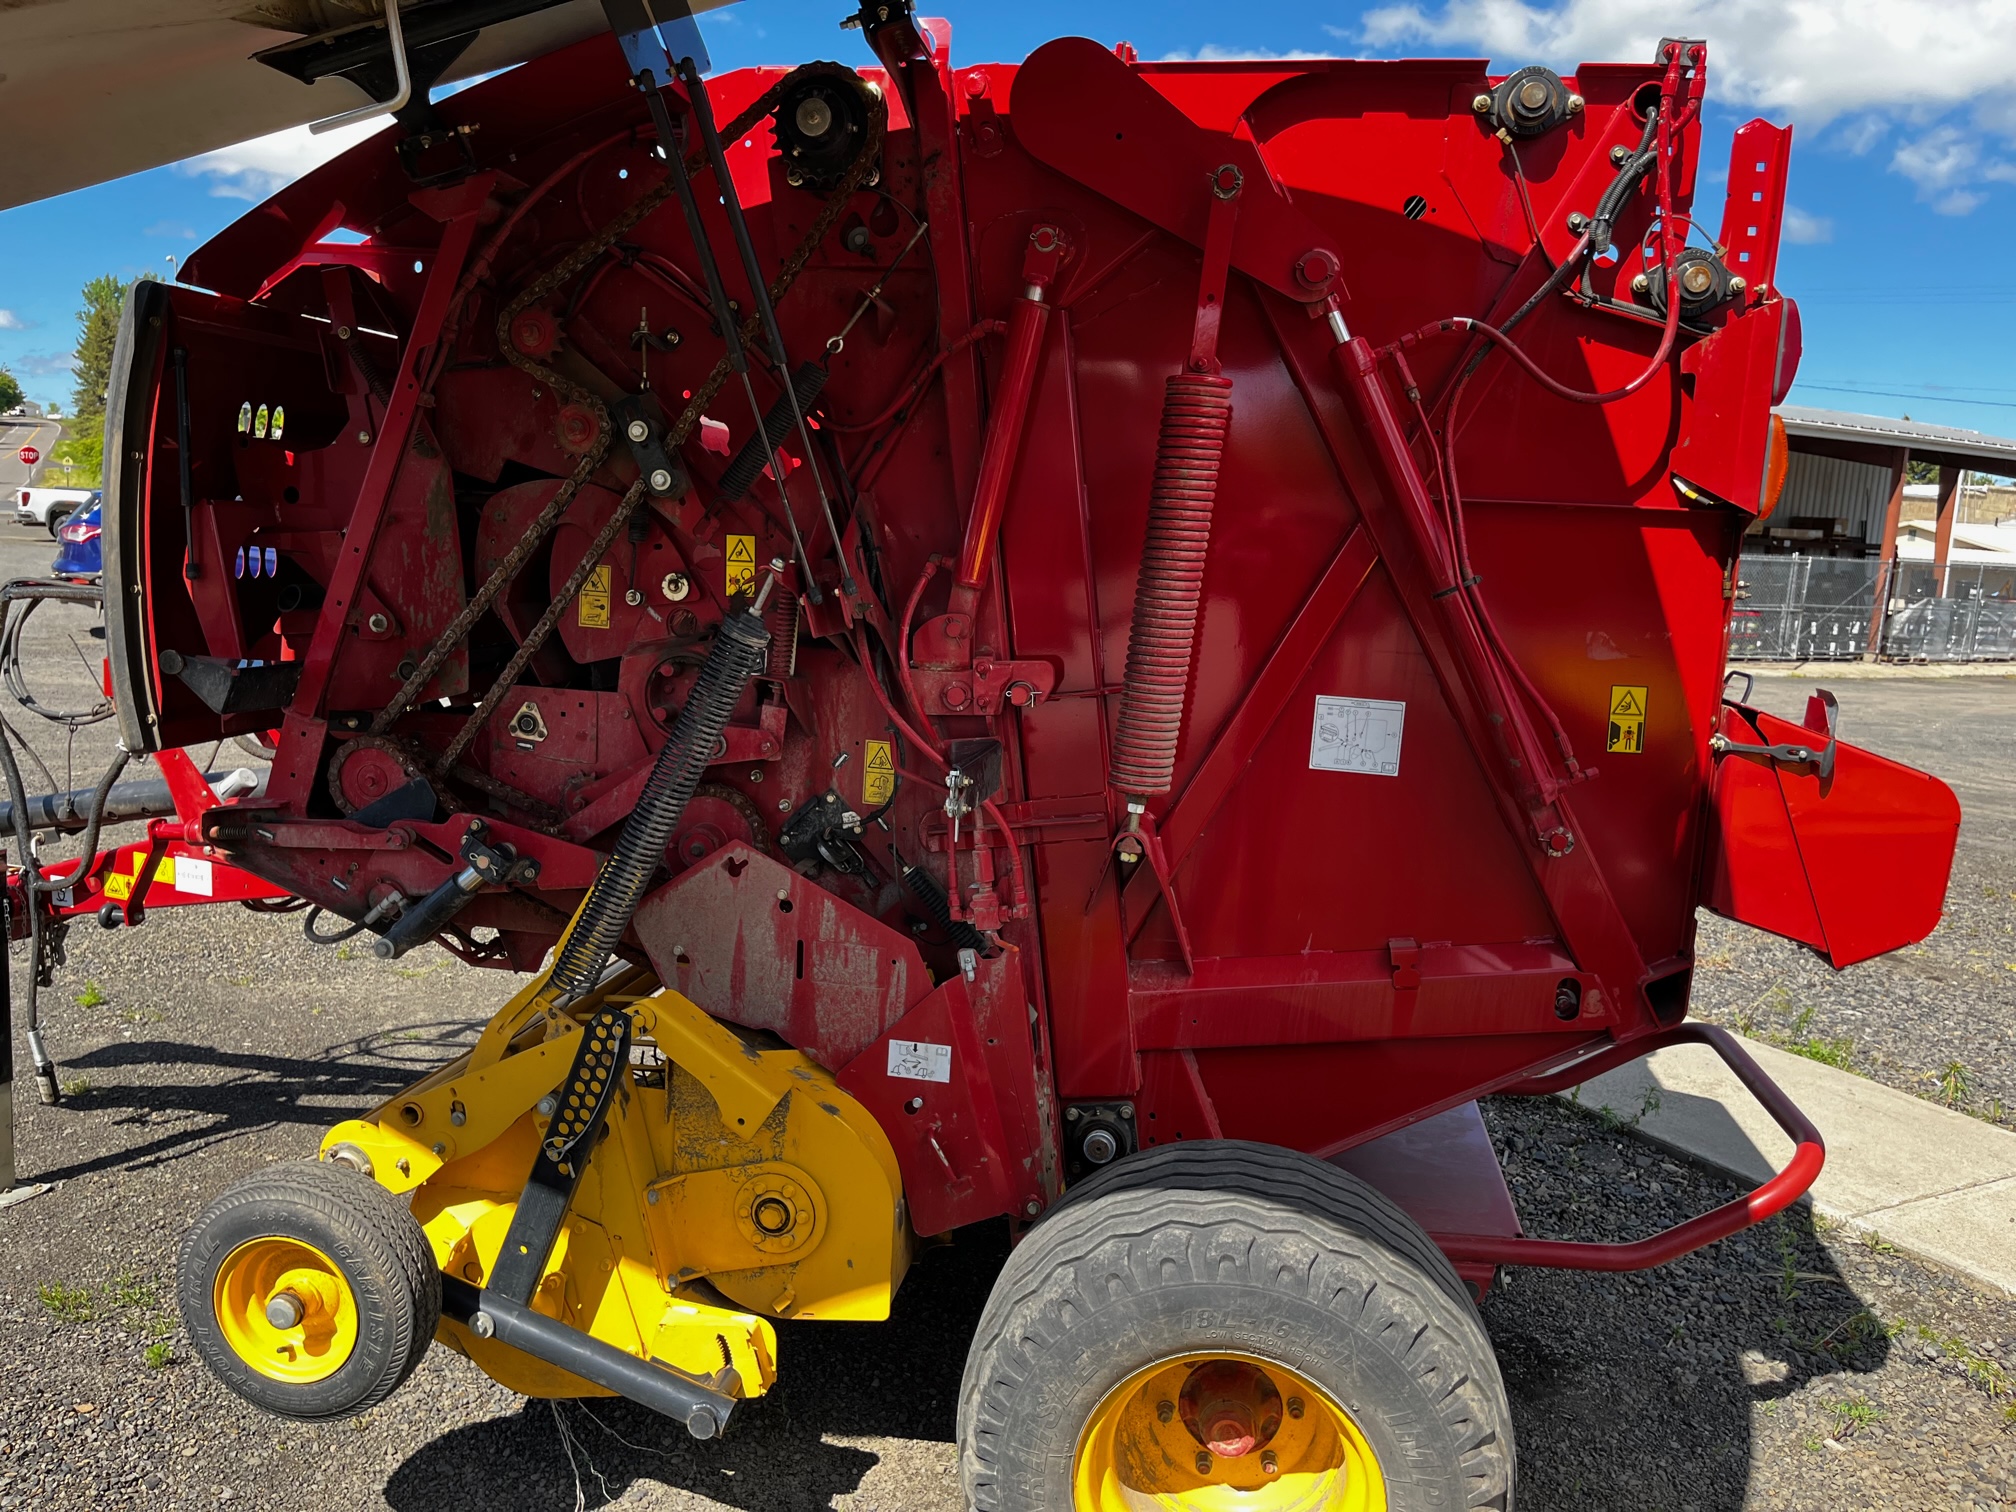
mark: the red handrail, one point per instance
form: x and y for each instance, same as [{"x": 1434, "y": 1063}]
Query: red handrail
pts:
[{"x": 1773, "y": 1197}]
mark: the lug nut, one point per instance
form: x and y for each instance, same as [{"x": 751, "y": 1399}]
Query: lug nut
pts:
[
  {"x": 1269, "y": 1463},
  {"x": 1164, "y": 1411},
  {"x": 639, "y": 431},
  {"x": 1203, "y": 1461},
  {"x": 1294, "y": 1407}
]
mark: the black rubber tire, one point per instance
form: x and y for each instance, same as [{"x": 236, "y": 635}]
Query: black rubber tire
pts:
[
  {"x": 55, "y": 522},
  {"x": 374, "y": 1240},
  {"x": 1296, "y": 1260}
]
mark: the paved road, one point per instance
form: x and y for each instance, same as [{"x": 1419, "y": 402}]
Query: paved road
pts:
[{"x": 15, "y": 434}]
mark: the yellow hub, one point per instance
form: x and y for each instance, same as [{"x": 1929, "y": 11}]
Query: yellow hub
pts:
[
  {"x": 285, "y": 1310},
  {"x": 1213, "y": 1432}
]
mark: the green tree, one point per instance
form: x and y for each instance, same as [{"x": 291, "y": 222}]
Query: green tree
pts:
[
  {"x": 1921, "y": 472},
  {"x": 97, "y": 331},
  {"x": 10, "y": 390}
]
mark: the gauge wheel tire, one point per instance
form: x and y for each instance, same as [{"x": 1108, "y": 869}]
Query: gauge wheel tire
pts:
[
  {"x": 55, "y": 523},
  {"x": 330, "y": 1235},
  {"x": 1244, "y": 1251}
]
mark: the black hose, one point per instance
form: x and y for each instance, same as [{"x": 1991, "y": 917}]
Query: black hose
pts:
[
  {"x": 932, "y": 896},
  {"x": 308, "y": 929},
  {"x": 88, "y": 851},
  {"x": 741, "y": 649},
  {"x": 45, "y": 1069}
]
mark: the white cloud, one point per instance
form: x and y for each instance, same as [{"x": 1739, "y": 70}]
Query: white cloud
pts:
[
  {"x": 9, "y": 321},
  {"x": 1211, "y": 52},
  {"x": 46, "y": 364},
  {"x": 1801, "y": 226},
  {"x": 1813, "y": 61},
  {"x": 262, "y": 167}
]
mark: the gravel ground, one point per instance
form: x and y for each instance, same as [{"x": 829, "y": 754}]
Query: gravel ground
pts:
[
  {"x": 1937, "y": 1019},
  {"x": 1782, "y": 1369}
]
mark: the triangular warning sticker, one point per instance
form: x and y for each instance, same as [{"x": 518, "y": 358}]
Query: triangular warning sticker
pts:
[
  {"x": 742, "y": 548},
  {"x": 878, "y": 757},
  {"x": 1627, "y": 703}
]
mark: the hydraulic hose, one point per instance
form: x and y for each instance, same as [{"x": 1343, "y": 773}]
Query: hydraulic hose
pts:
[
  {"x": 741, "y": 649},
  {"x": 17, "y": 792},
  {"x": 1196, "y": 417}
]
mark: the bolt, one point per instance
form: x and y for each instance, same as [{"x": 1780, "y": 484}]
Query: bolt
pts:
[
  {"x": 284, "y": 1310},
  {"x": 1071, "y": 1115},
  {"x": 481, "y": 1326},
  {"x": 755, "y": 774},
  {"x": 1737, "y": 285},
  {"x": 783, "y": 805},
  {"x": 1619, "y": 155},
  {"x": 1099, "y": 1147},
  {"x": 794, "y": 178},
  {"x": 1203, "y": 1461},
  {"x": 632, "y": 597},
  {"x": 1268, "y": 1463},
  {"x": 439, "y": 1148},
  {"x": 661, "y": 480},
  {"x": 1640, "y": 284},
  {"x": 1032, "y": 1207},
  {"x": 639, "y": 431},
  {"x": 458, "y": 1115},
  {"x": 1481, "y": 104},
  {"x": 674, "y": 586},
  {"x": 651, "y": 1197},
  {"x": 1574, "y": 104},
  {"x": 1577, "y": 221},
  {"x": 1164, "y": 1411},
  {"x": 379, "y": 624},
  {"x": 1126, "y": 1110},
  {"x": 1294, "y": 1407},
  {"x": 548, "y": 1105},
  {"x": 364, "y": 437}
]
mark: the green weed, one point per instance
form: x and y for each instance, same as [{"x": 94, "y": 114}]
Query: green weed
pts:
[
  {"x": 70, "y": 1304},
  {"x": 1952, "y": 1083},
  {"x": 93, "y": 996},
  {"x": 77, "y": 1086},
  {"x": 133, "y": 1291},
  {"x": 159, "y": 1354},
  {"x": 1852, "y": 1415}
]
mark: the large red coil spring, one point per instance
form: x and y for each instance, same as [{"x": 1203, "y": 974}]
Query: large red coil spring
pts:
[{"x": 1196, "y": 414}]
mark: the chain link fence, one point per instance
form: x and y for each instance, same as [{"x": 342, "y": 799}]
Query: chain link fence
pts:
[{"x": 1797, "y": 608}]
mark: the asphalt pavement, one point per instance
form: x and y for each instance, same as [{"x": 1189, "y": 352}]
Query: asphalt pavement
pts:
[{"x": 14, "y": 473}]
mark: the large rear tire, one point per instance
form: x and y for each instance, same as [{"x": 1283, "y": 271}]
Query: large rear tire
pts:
[
  {"x": 1217, "y": 1322},
  {"x": 310, "y": 1290}
]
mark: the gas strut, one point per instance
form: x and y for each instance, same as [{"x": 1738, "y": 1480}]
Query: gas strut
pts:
[
  {"x": 644, "y": 43},
  {"x": 703, "y": 117}
]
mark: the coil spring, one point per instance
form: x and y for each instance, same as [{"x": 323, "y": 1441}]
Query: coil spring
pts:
[
  {"x": 740, "y": 649},
  {"x": 1196, "y": 415},
  {"x": 782, "y": 618},
  {"x": 778, "y": 422}
]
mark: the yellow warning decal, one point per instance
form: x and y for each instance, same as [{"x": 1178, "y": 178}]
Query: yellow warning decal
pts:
[
  {"x": 118, "y": 886},
  {"x": 165, "y": 872},
  {"x": 878, "y": 774},
  {"x": 741, "y": 564},
  {"x": 1627, "y": 720},
  {"x": 591, "y": 609}
]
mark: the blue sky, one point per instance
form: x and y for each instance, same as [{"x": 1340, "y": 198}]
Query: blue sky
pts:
[{"x": 1903, "y": 177}]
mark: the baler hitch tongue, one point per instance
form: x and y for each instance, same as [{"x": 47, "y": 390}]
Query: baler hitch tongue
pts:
[{"x": 1773, "y": 1197}]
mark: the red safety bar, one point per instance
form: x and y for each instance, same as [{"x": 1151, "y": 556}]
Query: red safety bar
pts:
[{"x": 1773, "y": 1197}]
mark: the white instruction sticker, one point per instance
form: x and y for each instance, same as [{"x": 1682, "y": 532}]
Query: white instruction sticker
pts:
[
  {"x": 1357, "y": 735},
  {"x": 920, "y": 1060},
  {"x": 193, "y": 876}
]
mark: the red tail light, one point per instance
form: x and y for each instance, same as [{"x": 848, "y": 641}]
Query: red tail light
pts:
[{"x": 78, "y": 534}]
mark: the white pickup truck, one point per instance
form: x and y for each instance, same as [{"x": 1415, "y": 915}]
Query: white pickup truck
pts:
[{"x": 49, "y": 506}]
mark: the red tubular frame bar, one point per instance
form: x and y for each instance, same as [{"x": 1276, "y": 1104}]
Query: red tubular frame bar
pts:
[{"x": 1773, "y": 1197}]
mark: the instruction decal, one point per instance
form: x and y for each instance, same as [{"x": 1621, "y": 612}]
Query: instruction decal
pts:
[
  {"x": 920, "y": 1060},
  {"x": 193, "y": 876},
  {"x": 741, "y": 564},
  {"x": 1627, "y": 721},
  {"x": 591, "y": 609},
  {"x": 878, "y": 774},
  {"x": 1357, "y": 735}
]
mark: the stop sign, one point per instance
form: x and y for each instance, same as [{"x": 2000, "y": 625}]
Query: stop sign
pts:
[{"x": 30, "y": 456}]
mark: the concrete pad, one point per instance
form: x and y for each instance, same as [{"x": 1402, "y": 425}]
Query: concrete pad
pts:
[{"x": 1931, "y": 1180}]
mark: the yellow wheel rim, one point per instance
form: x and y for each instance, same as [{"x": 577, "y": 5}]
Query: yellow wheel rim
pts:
[
  {"x": 1144, "y": 1447},
  {"x": 285, "y": 1310}
]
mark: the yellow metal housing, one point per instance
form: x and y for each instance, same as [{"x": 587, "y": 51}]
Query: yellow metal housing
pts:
[{"x": 735, "y": 1183}]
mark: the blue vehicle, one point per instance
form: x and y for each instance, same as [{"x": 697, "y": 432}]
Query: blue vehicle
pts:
[{"x": 82, "y": 553}]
